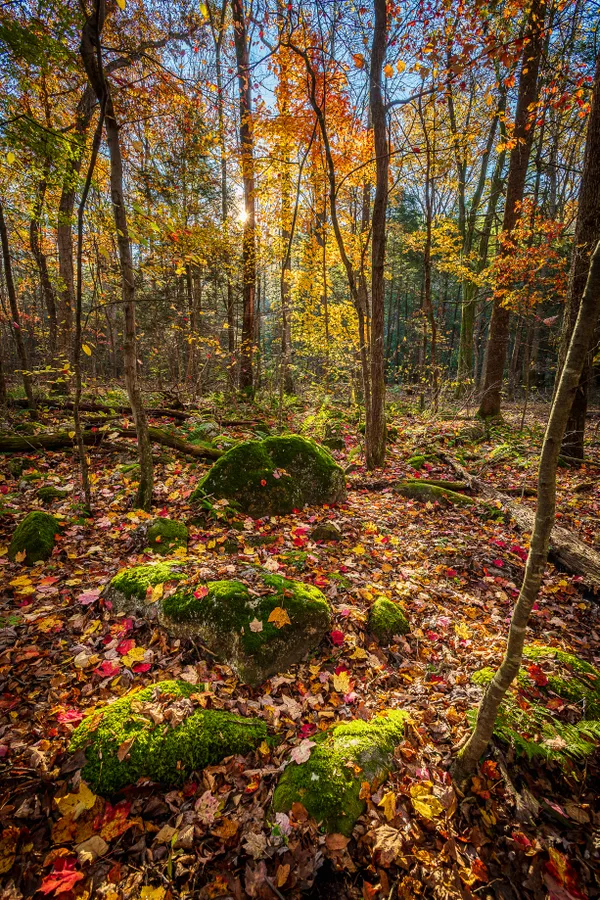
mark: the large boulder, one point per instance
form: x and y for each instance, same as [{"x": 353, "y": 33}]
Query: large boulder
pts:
[
  {"x": 274, "y": 476},
  {"x": 34, "y": 537},
  {"x": 137, "y": 590},
  {"x": 329, "y": 783},
  {"x": 160, "y": 732},
  {"x": 256, "y": 633}
]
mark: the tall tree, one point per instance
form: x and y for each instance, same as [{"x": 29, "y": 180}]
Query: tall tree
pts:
[
  {"x": 91, "y": 54},
  {"x": 521, "y": 141},
  {"x": 249, "y": 213}
]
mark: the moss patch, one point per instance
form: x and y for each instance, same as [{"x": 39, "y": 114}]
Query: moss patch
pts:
[
  {"x": 417, "y": 490},
  {"x": 328, "y": 785},
  {"x": 127, "y": 591},
  {"x": 386, "y": 619},
  {"x": 35, "y": 535},
  {"x": 274, "y": 476},
  {"x": 48, "y": 493},
  {"x": 171, "y": 736},
  {"x": 234, "y": 624},
  {"x": 525, "y": 721},
  {"x": 165, "y": 536},
  {"x": 326, "y": 532}
]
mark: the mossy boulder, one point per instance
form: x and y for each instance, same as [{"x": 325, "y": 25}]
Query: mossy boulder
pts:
[
  {"x": 48, "y": 493},
  {"x": 328, "y": 784},
  {"x": 274, "y": 476},
  {"x": 204, "y": 431},
  {"x": 257, "y": 634},
  {"x": 386, "y": 620},
  {"x": 131, "y": 590},
  {"x": 16, "y": 465},
  {"x": 161, "y": 733},
  {"x": 165, "y": 536},
  {"x": 326, "y": 532},
  {"x": 35, "y": 537},
  {"x": 421, "y": 490},
  {"x": 336, "y": 442}
]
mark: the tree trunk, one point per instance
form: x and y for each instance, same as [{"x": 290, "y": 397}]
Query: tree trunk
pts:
[
  {"x": 589, "y": 310},
  {"x": 522, "y": 137},
  {"x": 47, "y": 289},
  {"x": 376, "y": 428},
  {"x": 587, "y": 234},
  {"x": 249, "y": 227},
  {"x": 14, "y": 311},
  {"x": 91, "y": 55}
]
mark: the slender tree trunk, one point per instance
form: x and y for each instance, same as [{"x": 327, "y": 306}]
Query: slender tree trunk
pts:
[
  {"x": 249, "y": 226},
  {"x": 376, "y": 427},
  {"x": 91, "y": 55},
  {"x": 14, "y": 311},
  {"x": 522, "y": 136},
  {"x": 589, "y": 310},
  {"x": 587, "y": 233},
  {"x": 47, "y": 289}
]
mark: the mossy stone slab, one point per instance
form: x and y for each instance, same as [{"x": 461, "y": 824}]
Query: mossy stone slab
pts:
[
  {"x": 274, "y": 476},
  {"x": 256, "y": 634},
  {"x": 386, "y": 620},
  {"x": 35, "y": 536},
  {"x": 130, "y": 591},
  {"x": 160, "y": 733},
  {"x": 328, "y": 784}
]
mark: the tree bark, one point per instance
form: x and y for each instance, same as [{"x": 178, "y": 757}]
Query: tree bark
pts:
[
  {"x": 249, "y": 225},
  {"x": 587, "y": 234},
  {"x": 91, "y": 54},
  {"x": 523, "y": 132},
  {"x": 14, "y": 311},
  {"x": 47, "y": 289},
  {"x": 589, "y": 310},
  {"x": 375, "y": 427}
]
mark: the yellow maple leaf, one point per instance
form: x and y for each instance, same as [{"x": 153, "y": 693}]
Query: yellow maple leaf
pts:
[
  {"x": 462, "y": 631},
  {"x": 135, "y": 655},
  {"x": 73, "y": 805},
  {"x": 279, "y": 617},
  {"x": 150, "y": 893},
  {"x": 341, "y": 682},
  {"x": 424, "y": 802},
  {"x": 388, "y": 802}
]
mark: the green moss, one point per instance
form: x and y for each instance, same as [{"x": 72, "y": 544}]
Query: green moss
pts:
[
  {"x": 35, "y": 535},
  {"x": 160, "y": 749},
  {"x": 417, "y": 490},
  {"x": 328, "y": 785},
  {"x": 274, "y": 476},
  {"x": 16, "y": 465},
  {"x": 48, "y": 493},
  {"x": 127, "y": 590},
  {"x": 335, "y": 442},
  {"x": 32, "y": 476},
  {"x": 165, "y": 536},
  {"x": 524, "y": 720},
  {"x": 234, "y": 624},
  {"x": 326, "y": 532},
  {"x": 386, "y": 619},
  {"x": 295, "y": 559}
]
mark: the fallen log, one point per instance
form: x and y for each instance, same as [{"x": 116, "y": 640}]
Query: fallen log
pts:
[
  {"x": 106, "y": 408},
  {"x": 59, "y": 440},
  {"x": 566, "y": 549}
]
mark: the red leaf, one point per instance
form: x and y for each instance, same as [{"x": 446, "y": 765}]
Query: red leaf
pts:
[
  {"x": 62, "y": 878},
  {"x": 337, "y": 638}
]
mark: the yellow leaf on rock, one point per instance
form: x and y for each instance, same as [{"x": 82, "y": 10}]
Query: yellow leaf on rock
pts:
[
  {"x": 19, "y": 557},
  {"x": 279, "y": 617}
]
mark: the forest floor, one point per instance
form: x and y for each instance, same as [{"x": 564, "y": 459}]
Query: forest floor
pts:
[{"x": 520, "y": 830}]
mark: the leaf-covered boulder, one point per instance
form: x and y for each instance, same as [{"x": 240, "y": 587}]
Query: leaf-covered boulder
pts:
[
  {"x": 274, "y": 476},
  {"x": 256, "y": 633},
  {"x": 34, "y": 537},
  {"x": 159, "y": 732},
  {"x": 329, "y": 783},
  {"x": 386, "y": 620},
  {"x": 165, "y": 536},
  {"x": 137, "y": 590}
]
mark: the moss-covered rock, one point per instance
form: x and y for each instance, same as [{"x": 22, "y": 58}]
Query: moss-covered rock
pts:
[
  {"x": 386, "y": 620},
  {"x": 16, "y": 465},
  {"x": 256, "y": 635},
  {"x": 161, "y": 734},
  {"x": 48, "y": 493},
  {"x": 328, "y": 784},
  {"x": 165, "y": 536},
  {"x": 326, "y": 532},
  {"x": 335, "y": 442},
  {"x": 130, "y": 591},
  {"x": 204, "y": 431},
  {"x": 34, "y": 536},
  {"x": 274, "y": 476},
  {"x": 419, "y": 490}
]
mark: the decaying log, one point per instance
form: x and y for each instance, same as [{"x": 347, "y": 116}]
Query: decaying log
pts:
[
  {"x": 566, "y": 550},
  {"x": 59, "y": 440}
]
